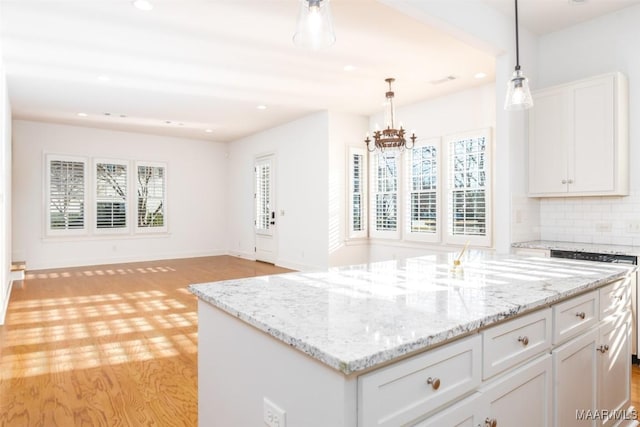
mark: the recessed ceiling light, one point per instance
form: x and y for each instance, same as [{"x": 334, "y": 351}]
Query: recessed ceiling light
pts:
[
  {"x": 208, "y": 130},
  {"x": 261, "y": 107},
  {"x": 107, "y": 114},
  {"x": 123, "y": 115},
  {"x": 82, "y": 114},
  {"x": 577, "y": 1},
  {"x": 349, "y": 68},
  {"x": 104, "y": 78},
  {"x": 142, "y": 5},
  {"x": 168, "y": 122},
  {"x": 479, "y": 75}
]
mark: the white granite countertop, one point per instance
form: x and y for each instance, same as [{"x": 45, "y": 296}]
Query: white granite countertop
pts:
[
  {"x": 358, "y": 317},
  {"x": 580, "y": 247}
]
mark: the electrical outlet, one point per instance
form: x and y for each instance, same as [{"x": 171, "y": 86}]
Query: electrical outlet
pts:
[
  {"x": 633, "y": 227},
  {"x": 603, "y": 227},
  {"x": 274, "y": 416}
]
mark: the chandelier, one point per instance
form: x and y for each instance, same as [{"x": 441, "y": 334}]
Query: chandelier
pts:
[{"x": 389, "y": 137}]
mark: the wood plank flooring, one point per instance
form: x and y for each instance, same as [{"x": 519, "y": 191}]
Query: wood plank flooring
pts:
[{"x": 112, "y": 345}]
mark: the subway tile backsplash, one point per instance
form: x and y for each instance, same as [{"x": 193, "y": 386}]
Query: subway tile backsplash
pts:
[{"x": 600, "y": 220}]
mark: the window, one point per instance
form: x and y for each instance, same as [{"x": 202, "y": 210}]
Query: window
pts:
[
  {"x": 66, "y": 195},
  {"x": 357, "y": 193},
  {"x": 385, "y": 194},
  {"x": 263, "y": 195},
  {"x": 468, "y": 192},
  {"x": 111, "y": 195},
  {"x": 151, "y": 203},
  {"x": 423, "y": 192},
  {"x": 445, "y": 196}
]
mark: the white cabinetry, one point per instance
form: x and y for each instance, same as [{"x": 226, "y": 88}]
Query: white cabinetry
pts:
[
  {"x": 592, "y": 372},
  {"x": 578, "y": 139}
]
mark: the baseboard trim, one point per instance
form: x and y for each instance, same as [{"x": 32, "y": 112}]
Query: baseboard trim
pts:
[{"x": 5, "y": 303}]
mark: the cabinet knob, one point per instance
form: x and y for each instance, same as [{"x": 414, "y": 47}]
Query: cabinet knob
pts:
[
  {"x": 524, "y": 340},
  {"x": 581, "y": 315},
  {"x": 570, "y": 181},
  {"x": 490, "y": 422},
  {"x": 564, "y": 181},
  {"x": 434, "y": 382},
  {"x": 603, "y": 348}
]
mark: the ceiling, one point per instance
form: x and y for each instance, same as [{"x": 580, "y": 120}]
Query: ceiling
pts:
[{"x": 200, "y": 68}]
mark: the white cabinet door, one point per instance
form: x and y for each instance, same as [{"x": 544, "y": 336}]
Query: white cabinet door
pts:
[
  {"x": 575, "y": 368},
  {"x": 578, "y": 139},
  {"x": 592, "y": 152},
  {"x": 548, "y": 138},
  {"x": 521, "y": 398},
  {"x": 614, "y": 366}
]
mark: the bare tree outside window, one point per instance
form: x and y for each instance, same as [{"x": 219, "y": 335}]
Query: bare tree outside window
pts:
[
  {"x": 151, "y": 183},
  {"x": 66, "y": 195},
  {"x": 111, "y": 195}
]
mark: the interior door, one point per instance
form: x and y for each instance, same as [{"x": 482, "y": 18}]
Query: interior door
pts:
[{"x": 265, "y": 209}]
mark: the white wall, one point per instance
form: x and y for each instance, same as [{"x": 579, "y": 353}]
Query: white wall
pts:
[
  {"x": 196, "y": 193},
  {"x": 459, "y": 112},
  {"x": 483, "y": 27},
  {"x": 344, "y": 131},
  {"x": 5, "y": 195},
  {"x": 301, "y": 183},
  {"x": 606, "y": 44}
]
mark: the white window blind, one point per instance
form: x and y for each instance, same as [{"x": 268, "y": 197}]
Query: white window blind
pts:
[
  {"x": 385, "y": 194},
  {"x": 263, "y": 195},
  {"x": 111, "y": 195},
  {"x": 469, "y": 188},
  {"x": 357, "y": 193},
  {"x": 423, "y": 191},
  {"x": 151, "y": 196},
  {"x": 66, "y": 193}
]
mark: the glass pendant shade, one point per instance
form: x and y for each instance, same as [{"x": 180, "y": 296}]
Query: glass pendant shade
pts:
[
  {"x": 314, "y": 29},
  {"x": 518, "y": 93}
]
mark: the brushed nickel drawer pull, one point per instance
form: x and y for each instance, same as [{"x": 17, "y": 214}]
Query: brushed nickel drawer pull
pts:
[
  {"x": 434, "y": 382},
  {"x": 603, "y": 348},
  {"x": 581, "y": 315},
  {"x": 524, "y": 340}
]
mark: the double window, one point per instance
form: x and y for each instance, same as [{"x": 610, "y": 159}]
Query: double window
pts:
[
  {"x": 438, "y": 191},
  {"x": 73, "y": 206}
]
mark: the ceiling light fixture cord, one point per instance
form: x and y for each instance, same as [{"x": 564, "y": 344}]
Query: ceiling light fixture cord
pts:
[{"x": 518, "y": 93}]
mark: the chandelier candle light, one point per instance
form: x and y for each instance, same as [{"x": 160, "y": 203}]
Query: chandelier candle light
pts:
[
  {"x": 518, "y": 94},
  {"x": 389, "y": 137}
]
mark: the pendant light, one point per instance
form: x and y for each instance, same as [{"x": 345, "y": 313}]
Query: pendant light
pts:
[
  {"x": 314, "y": 29},
  {"x": 518, "y": 93}
]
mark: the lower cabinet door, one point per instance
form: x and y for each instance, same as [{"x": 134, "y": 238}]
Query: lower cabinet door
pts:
[
  {"x": 575, "y": 367},
  {"x": 465, "y": 413},
  {"x": 520, "y": 398},
  {"x": 615, "y": 368}
]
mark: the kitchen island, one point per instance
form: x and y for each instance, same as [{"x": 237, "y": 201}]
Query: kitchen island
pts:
[{"x": 411, "y": 342}]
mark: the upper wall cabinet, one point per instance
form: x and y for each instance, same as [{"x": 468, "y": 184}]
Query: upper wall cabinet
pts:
[{"x": 578, "y": 139}]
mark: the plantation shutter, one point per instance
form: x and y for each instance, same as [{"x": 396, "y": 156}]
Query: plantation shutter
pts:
[
  {"x": 423, "y": 189},
  {"x": 468, "y": 186},
  {"x": 66, "y": 194},
  {"x": 151, "y": 196},
  {"x": 111, "y": 195}
]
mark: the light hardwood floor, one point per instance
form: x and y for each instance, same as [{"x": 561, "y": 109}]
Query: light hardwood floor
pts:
[{"x": 112, "y": 345}]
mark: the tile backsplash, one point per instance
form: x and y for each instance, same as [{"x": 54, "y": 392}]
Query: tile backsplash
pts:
[{"x": 601, "y": 220}]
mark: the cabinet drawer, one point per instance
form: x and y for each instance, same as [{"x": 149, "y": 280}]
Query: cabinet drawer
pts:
[
  {"x": 574, "y": 316},
  {"x": 614, "y": 298},
  {"x": 515, "y": 341},
  {"x": 410, "y": 389}
]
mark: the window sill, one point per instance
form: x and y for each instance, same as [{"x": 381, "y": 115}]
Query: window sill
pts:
[{"x": 105, "y": 237}]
